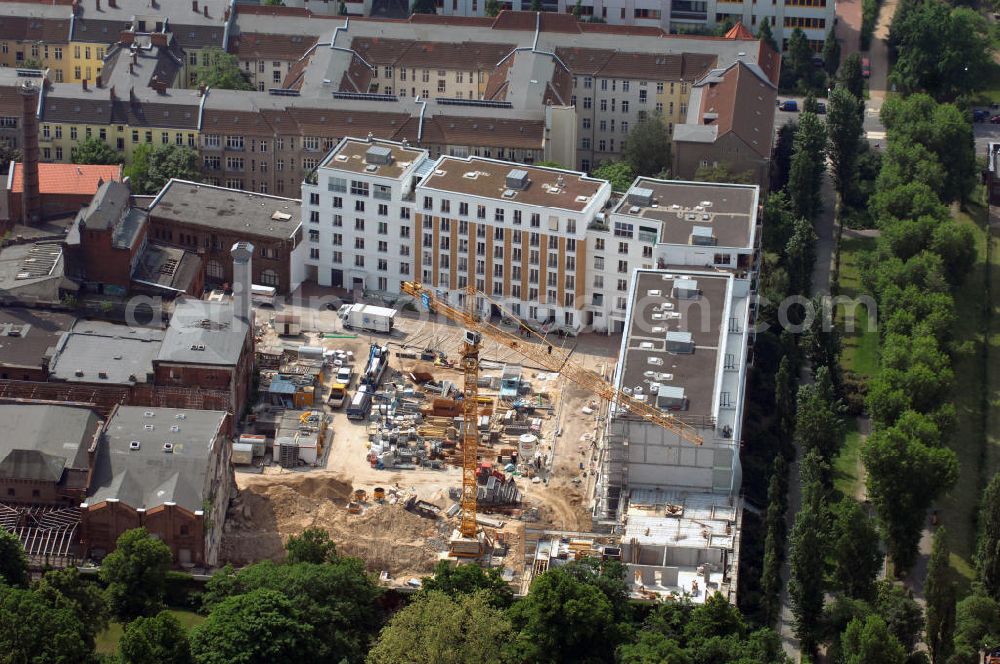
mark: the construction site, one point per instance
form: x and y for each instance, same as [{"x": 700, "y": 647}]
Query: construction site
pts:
[
  {"x": 451, "y": 437},
  {"x": 364, "y": 436}
]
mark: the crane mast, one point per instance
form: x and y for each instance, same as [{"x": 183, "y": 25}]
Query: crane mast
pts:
[{"x": 470, "y": 423}]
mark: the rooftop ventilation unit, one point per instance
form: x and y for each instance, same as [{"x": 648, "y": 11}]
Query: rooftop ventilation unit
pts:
[
  {"x": 702, "y": 236},
  {"x": 680, "y": 342},
  {"x": 134, "y": 445},
  {"x": 148, "y": 413},
  {"x": 175, "y": 428},
  {"x": 378, "y": 155},
  {"x": 669, "y": 397},
  {"x": 686, "y": 289},
  {"x": 641, "y": 196},
  {"x": 517, "y": 179},
  {"x": 147, "y": 427},
  {"x": 181, "y": 416},
  {"x": 371, "y": 168},
  {"x": 168, "y": 448},
  {"x": 471, "y": 175}
]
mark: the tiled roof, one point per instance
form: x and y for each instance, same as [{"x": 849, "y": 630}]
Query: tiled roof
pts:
[
  {"x": 488, "y": 132},
  {"x": 739, "y": 31},
  {"x": 246, "y": 123},
  {"x": 510, "y": 20},
  {"x": 443, "y": 55},
  {"x": 649, "y": 66},
  {"x": 438, "y": 19},
  {"x": 753, "y": 121},
  {"x": 68, "y": 178},
  {"x": 610, "y": 29},
  {"x": 98, "y": 110},
  {"x": 260, "y": 46},
  {"x": 559, "y": 90},
  {"x": 198, "y": 36},
  {"x": 154, "y": 114},
  {"x": 357, "y": 77},
  {"x": 27, "y": 28},
  {"x": 98, "y": 31},
  {"x": 339, "y": 123}
]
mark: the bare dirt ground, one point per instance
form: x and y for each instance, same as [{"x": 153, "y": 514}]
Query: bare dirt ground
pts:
[{"x": 278, "y": 503}]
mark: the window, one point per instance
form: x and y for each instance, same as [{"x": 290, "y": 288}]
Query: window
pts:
[
  {"x": 359, "y": 243},
  {"x": 72, "y": 133},
  {"x": 598, "y": 262},
  {"x": 338, "y": 202},
  {"x": 337, "y": 239},
  {"x": 314, "y": 216},
  {"x": 212, "y": 162},
  {"x": 588, "y": 102},
  {"x": 622, "y": 268},
  {"x": 234, "y": 142},
  {"x": 269, "y": 278},
  {"x": 314, "y": 235},
  {"x": 480, "y": 211},
  {"x": 359, "y": 206},
  {"x": 359, "y": 261},
  {"x": 359, "y": 224},
  {"x": 463, "y": 209},
  {"x": 359, "y": 188},
  {"x": 498, "y": 215},
  {"x": 58, "y": 131},
  {"x": 624, "y": 106},
  {"x": 338, "y": 220},
  {"x": 383, "y": 210},
  {"x": 383, "y": 246},
  {"x": 234, "y": 163},
  {"x": 310, "y": 143}
]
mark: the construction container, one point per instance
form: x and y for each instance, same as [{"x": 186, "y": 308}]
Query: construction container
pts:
[
  {"x": 379, "y": 494},
  {"x": 527, "y": 444},
  {"x": 242, "y": 454},
  {"x": 311, "y": 353},
  {"x": 258, "y": 443}
]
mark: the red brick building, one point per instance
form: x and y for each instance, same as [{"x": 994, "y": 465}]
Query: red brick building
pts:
[
  {"x": 210, "y": 220},
  {"x": 164, "y": 469}
]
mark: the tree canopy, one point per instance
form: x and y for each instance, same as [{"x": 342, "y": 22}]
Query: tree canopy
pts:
[
  {"x": 136, "y": 574},
  {"x": 159, "y": 638},
  {"x": 95, "y": 151},
  {"x": 152, "y": 167},
  {"x": 221, "y": 71},
  {"x": 647, "y": 147},
  {"x": 453, "y": 580},
  {"x": 438, "y": 629},
  {"x": 312, "y": 546},
  {"x": 618, "y": 173}
]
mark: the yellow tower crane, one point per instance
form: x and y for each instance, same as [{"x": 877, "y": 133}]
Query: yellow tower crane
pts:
[{"x": 552, "y": 358}]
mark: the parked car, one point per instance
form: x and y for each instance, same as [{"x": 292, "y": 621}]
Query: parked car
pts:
[
  {"x": 820, "y": 108},
  {"x": 980, "y": 115},
  {"x": 789, "y": 105},
  {"x": 995, "y": 119},
  {"x": 866, "y": 67}
]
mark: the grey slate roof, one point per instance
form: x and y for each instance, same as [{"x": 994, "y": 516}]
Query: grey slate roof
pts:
[
  {"x": 123, "y": 354},
  {"x": 107, "y": 206},
  {"x": 40, "y": 441},
  {"x": 203, "y": 332},
  {"x": 148, "y": 477}
]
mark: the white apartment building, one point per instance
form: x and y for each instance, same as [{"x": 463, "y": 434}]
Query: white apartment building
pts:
[{"x": 553, "y": 247}]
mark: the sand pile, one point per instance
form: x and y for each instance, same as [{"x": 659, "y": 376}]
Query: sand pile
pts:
[{"x": 271, "y": 508}]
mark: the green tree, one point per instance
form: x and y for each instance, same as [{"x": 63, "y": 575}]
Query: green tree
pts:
[
  {"x": 34, "y": 632},
  {"x": 845, "y": 131},
  {"x": 988, "y": 544},
  {"x": 95, "y": 151},
  {"x": 153, "y": 167},
  {"x": 562, "y": 619},
  {"x": 869, "y": 641},
  {"x": 647, "y": 147},
  {"x": 806, "y": 552},
  {"x": 436, "y": 628},
  {"x": 548, "y": 163},
  {"x": 578, "y": 9},
  {"x": 778, "y": 220},
  {"x": 801, "y": 72},
  {"x": 454, "y": 580},
  {"x": 786, "y": 394},
  {"x": 536, "y": 5},
  {"x": 977, "y": 625},
  {"x": 66, "y": 589},
  {"x": 312, "y": 546},
  {"x": 160, "y": 639},
  {"x": 855, "y": 551},
  {"x": 135, "y": 574},
  {"x": 765, "y": 35},
  {"x": 618, "y": 173},
  {"x": 492, "y": 7},
  {"x": 901, "y": 613},
  {"x": 850, "y": 75},
  {"x": 13, "y": 561},
  {"x": 652, "y": 648},
  {"x": 221, "y": 71},
  {"x": 956, "y": 245},
  {"x": 800, "y": 256},
  {"x": 338, "y": 600},
  {"x": 342, "y": 9},
  {"x": 942, "y": 50},
  {"x": 7, "y": 155},
  {"x": 907, "y": 469},
  {"x": 831, "y": 53},
  {"x": 818, "y": 425},
  {"x": 259, "y": 627},
  {"x": 807, "y": 166},
  {"x": 781, "y": 163},
  {"x": 939, "y": 589}
]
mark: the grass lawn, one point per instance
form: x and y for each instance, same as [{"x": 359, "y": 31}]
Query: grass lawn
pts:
[
  {"x": 976, "y": 439},
  {"x": 847, "y": 471},
  {"x": 860, "y": 346},
  {"x": 107, "y": 641}
]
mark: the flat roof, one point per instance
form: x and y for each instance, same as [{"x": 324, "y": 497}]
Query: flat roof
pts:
[
  {"x": 41, "y": 441},
  {"x": 100, "y": 352},
  {"x": 349, "y": 156},
  {"x": 487, "y": 178},
  {"x": 655, "y": 310},
  {"x": 680, "y": 519},
  {"x": 730, "y": 210},
  {"x": 24, "y": 265},
  {"x": 224, "y": 209},
  {"x": 146, "y": 476},
  {"x": 202, "y": 332},
  {"x": 36, "y": 331}
]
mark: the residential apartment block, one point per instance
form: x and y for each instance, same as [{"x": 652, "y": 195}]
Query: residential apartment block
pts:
[
  {"x": 524, "y": 86},
  {"x": 553, "y": 246}
]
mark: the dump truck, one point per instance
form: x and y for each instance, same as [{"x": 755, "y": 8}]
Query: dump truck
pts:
[{"x": 367, "y": 317}]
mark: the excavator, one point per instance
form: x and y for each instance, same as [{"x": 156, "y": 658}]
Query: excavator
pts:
[{"x": 546, "y": 355}]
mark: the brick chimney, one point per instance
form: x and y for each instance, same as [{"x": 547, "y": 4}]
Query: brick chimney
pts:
[
  {"x": 113, "y": 4},
  {"x": 30, "y": 199},
  {"x": 127, "y": 37},
  {"x": 205, "y": 11},
  {"x": 242, "y": 253},
  {"x": 98, "y": 4},
  {"x": 158, "y": 39},
  {"x": 194, "y": 6}
]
